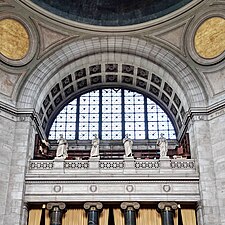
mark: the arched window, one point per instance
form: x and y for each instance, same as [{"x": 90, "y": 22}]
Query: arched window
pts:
[{"x": 112, "y": 113}]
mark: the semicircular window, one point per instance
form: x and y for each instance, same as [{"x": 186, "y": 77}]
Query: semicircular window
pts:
[{"x": 112, "y": 113}]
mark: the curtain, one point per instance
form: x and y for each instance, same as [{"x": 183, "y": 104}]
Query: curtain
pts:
[
  {"x": 47, "y": 218},
  {"x": 104, "y": 217},
  {"x": 75, "y": 217},
  {"x": 118, "y": 217},
  {"x": 188, "y": 216},
  {"x": 34, "y": 216},
  {"x": 175, "y": 218},
  {"x": 148, "y": 217}
]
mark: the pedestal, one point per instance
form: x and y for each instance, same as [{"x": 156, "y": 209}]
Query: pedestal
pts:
[
  {"x": 129, "y": 164},
  {"x": 59, "y": 164},
  {"x": 94, "y": 163},
  {"x": 164, "y": 165}
]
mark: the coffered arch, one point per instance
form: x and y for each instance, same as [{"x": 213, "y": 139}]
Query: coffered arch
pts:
[{"x": 112, "y": 61}]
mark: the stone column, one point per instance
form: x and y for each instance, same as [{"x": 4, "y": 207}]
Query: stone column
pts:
[
  {"x": 166, "y": 210},
  {"x": 130, "y": 212},
  {"x": 24, "y": 220},
  {"x": 93, "y": 212},
  {"x": 56, "y": 212},
  {"x": 199, "y": 213}
]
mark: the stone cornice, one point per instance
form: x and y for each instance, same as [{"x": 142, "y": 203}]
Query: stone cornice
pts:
[{"x": 65, "y": 179}]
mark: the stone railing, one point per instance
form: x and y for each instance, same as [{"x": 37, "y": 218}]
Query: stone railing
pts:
[
  {"x": 41, "y": 165},
  {"x": 128, "y": 164}
]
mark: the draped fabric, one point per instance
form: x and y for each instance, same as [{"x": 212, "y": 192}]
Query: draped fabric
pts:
[
  {"x": 47, "y": 218},
  {"x": 148, "y": 216},
  {"x": 144, "y": 216},
  {"x": 34, "y": 217},
  {"x": 75, "y": 217},
  {"x": 118, "y": 217},
  {"x": 176, "y": 218},
  {"x": 104, "y": 217},
  {"x": 188, "y": 216}
]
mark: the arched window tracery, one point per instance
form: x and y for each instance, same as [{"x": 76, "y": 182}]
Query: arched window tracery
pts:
[{"x": 111, "y": 113}]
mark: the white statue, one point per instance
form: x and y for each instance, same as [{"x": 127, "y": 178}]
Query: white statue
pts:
[
  {"x": 62, "y": 147},
  {"x": 95, "y": 147},
  {"x": 163, "y": 146},
  {"x": 127, "y": 142}
]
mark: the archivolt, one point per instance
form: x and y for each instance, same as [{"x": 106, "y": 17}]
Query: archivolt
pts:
[{"x": 130, "y": 56}]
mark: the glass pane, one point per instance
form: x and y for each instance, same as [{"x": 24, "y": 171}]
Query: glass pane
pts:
[
  {"x": 129, "y": 117},
  {"x": 140, "y": 135},
  {"x": 70, "y": 135},
  {"x": 116, "y": 118},
  {"x": 106, "y": 136},
  {"x": 139, "y": 117},
  {"x": 71, "y": 126},
  {"x": 106, "y": 117},
  {"x": 139, "y": 126}
]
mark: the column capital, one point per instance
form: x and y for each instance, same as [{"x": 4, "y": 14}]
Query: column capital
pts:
[
  {"x": 97, "y": 205},
  {"x": 126, "y": 205},
  {"x": 167, "y": 206},
  {"x": 60, "y": 205},
  {"x": 25, "y": 205}
]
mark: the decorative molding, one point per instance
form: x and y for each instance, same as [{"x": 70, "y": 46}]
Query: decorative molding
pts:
[
  {"x": 89, "y": 205},
  {"x": 182, "y": 164},
  {"x": 173, "y": 35},
  {"x": 126, "y": 205},
  {"x": 50, "y": 37},
  {"x": 60, "y": 205},
  {"x": 112, "y": 164},
  {"x": 167, "y": 206},
  {"x": 166, "y": 188}
]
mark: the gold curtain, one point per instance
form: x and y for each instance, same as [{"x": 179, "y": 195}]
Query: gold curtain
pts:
[
  {"x": 34, "y": 216},
  {"x": 47, "y": 218},
  {"x": 75, "y": 217},
  {"x": 104, "y": 217},
  {"x": 148, "y": 216},
  {"x": 188, "y": 216},
  {"x": 118, "y": 217},
  {"x": 175, "y": 218}
]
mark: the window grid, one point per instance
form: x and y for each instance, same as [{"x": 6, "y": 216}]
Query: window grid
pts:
[{"x": 112, "y": 113}]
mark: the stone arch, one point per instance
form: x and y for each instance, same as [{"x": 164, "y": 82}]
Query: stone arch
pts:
[{"x": 169, "y": 81}]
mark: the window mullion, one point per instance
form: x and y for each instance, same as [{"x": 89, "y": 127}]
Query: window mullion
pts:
[
  {"x": 100, "y": 115},
  {"x": 123, "y": 112},
  {"x": 77, "y": 119},
  {"x": 146, "y": 117}
]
